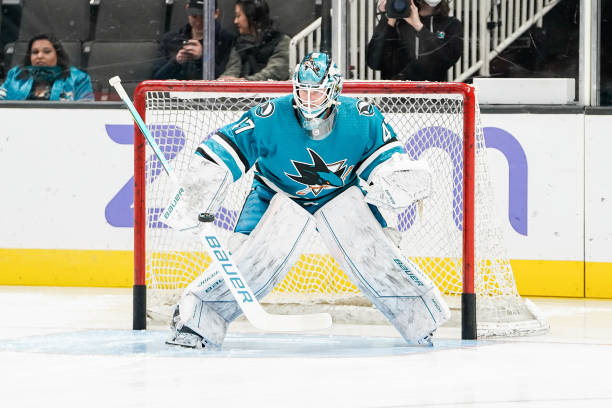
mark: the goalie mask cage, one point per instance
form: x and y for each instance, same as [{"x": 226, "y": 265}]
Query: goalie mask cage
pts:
[{"x": 453, "y": 235}]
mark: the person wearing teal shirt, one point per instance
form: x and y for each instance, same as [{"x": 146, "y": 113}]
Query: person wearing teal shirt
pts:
[{"x": 46, "y": 75}]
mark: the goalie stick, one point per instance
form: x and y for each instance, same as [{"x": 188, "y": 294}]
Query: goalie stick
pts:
[{"x": 220, "y": 255}]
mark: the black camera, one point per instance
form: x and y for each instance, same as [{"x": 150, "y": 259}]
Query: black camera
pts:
[{"x": 398, "y": 8}]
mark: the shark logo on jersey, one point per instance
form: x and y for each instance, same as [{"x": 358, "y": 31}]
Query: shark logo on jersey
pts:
[
  {"x": 318, "y": 175},
  {"x": 365, "y": 108},
  {"x": 265, "y": 110}
]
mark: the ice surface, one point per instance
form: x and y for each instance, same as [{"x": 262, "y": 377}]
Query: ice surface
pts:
[
  {"x": 74, "y": 348},
  {"x": 264, "y": 345}
]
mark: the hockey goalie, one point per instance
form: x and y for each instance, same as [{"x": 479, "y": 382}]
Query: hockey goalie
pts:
[{"x": 323, "y": 162}]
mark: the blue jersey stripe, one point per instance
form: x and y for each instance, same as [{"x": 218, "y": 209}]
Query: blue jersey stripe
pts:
[
  {"x": 365, "y": 167},
  {"x": 234, "y": 147},
  {"x": 226, "y": 157},
  {"x": 200, "y": 151}
]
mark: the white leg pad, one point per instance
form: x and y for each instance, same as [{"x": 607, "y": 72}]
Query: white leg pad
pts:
[
  {"x": 264, "y": 258},
  {"x": 394, "y": 284}
]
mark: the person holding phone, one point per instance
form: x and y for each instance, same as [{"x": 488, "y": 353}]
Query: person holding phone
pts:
[
  {"x": 415, "y": 40},
  {"x": 180, "y": 53}
]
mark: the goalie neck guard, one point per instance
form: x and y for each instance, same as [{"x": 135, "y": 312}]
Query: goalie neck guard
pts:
[{"x": 317, "y": 83}]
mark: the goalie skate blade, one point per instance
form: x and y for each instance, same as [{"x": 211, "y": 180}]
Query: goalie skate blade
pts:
[
  {"x": 187, "y": 340},
  {"x": 426, "y": 341}
]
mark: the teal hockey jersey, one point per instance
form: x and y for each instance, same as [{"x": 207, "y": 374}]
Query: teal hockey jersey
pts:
[{"x": 287, "y": 160}]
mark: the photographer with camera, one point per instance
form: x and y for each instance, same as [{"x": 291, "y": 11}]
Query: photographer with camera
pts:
[
  {"x": 415, "y": 40},
  {"x": 180, "y": 52}
]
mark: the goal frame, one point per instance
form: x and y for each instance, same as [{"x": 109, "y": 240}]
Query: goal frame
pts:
[{"x": 466, "y": 92}]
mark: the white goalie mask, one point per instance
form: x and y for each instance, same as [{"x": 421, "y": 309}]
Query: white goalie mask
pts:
[{"x": 317, "y": 83}]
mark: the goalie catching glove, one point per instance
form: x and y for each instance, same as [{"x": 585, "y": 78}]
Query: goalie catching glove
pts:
[
  {"x": 398, "y": 182},
  {"x": 201, "y": 190}
]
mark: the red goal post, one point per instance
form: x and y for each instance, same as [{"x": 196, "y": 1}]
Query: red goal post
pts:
[{"x": 229, "y": 89}]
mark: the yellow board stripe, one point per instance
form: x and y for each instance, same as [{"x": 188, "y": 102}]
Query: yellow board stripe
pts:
[
  {"x": 58, "y": 267},
  {"x": 549, "y": 278},
  {"x": 106, "y": 268},
  {"x": 598, "y": 279}
]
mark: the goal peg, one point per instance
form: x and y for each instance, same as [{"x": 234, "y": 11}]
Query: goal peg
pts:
[{"x": 206, "y": 217}]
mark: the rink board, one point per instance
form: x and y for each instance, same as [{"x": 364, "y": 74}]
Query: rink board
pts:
[{"x": 67, "y": 217}]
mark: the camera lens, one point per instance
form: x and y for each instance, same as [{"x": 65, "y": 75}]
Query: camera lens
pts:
[
  {"x": 398, "y": 9},
  {"x": 399, "y": 6}
]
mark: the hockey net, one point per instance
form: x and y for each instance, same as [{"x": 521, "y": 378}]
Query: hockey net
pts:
[{"x": 429, "y": 120}]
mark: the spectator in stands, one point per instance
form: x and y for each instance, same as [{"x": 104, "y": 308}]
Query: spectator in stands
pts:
[
  {"x": 421, "y": 47},
  {"x": 180, "y": 52},
  {"x": 260, "y": 51},
  {"x": 46, "y": 75}
]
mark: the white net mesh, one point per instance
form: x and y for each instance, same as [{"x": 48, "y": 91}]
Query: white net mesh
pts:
[{"x": 429, "y": 126}]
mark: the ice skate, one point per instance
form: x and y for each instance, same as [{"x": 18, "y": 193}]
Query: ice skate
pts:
[{"x": 183, "y": 336}]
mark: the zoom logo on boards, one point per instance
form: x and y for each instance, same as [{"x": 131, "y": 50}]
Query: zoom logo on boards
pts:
[
  {"x": 119, "y": 211},
  {"x": 436, "y": 137}
]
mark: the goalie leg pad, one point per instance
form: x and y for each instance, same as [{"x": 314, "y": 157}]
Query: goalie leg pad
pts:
[
  {"x": 264, "y": 257},
  {"x": 271, "y": 249},
  {"x": 394, "y": 284}
]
